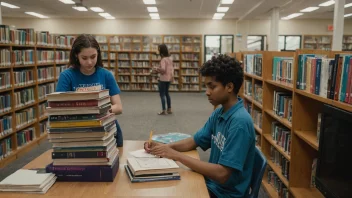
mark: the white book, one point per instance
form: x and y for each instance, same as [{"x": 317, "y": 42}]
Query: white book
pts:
[{"x": 141, "y": 166}]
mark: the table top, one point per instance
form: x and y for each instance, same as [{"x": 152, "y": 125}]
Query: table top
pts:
[{"x": 191, "y": 184}]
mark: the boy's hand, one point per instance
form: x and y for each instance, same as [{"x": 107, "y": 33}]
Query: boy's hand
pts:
[
  {"x": 148, "y": 147},
  {"x": 163, "y": 150}
]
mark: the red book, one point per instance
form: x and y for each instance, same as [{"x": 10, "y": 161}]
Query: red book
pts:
[
  {"x": 80, "y": 103},
  {"x": 348, "y": 88},
  {"x": 312, "y": 75}
]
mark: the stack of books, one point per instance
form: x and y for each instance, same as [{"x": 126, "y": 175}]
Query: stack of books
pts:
[
  {"x": 82, "y": 132},
  {"x": 147, "y": 169},
  {"x": 28, "y": 181}
]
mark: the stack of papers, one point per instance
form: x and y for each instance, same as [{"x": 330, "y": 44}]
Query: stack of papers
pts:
[{"x": 28, "y": 181}]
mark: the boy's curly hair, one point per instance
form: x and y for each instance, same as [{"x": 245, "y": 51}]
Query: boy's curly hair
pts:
[{"x": 225, "y": 70}]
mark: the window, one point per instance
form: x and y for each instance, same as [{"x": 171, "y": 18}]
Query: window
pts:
[
  {"x": 289, "y": 42},
  {"x": 256, "y": 43},
  {"x": 217, "y": 44}
]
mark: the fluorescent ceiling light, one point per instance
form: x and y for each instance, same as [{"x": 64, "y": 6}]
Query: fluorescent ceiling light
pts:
[
  {"x": 67, "y": 1},
  {"x": 291, "y": 16},
  {"x": 149, "y": 1},
  {"x": 222, "y": 9},
  {"x": 348, "y": 5},
  {"x": 96, "y": 9},
  {"x": 80, "y": 8},
  {"x": 9, "y": 5},
  {"x": 219, "y": 15},
  {"x": 37, "y": 15},
  {"x": 217, "y": 18},
  {"x": 309, "y": 9},
  {"x": 227, "y": 1},
  {"x": 348, "y": 15},
  {"x": 105, "y": 14},
  {"x": 155, "y": 17},
  {"x": 109, "y": 17},
  {"x": 328, "y": 3},
  {"x": 152, "y": 9},
  {"x": 154, "y": 14}
]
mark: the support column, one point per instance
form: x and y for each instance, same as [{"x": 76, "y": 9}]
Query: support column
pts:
[
  {"x": 274, "y": 30},
  {"x": 338, "y": 25},
  {"x": 0, "y": 16}
]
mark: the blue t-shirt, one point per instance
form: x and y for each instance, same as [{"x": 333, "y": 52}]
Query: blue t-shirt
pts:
[
  {"x": 231, "y": 138},
  {"x": 73, "y": 80}
]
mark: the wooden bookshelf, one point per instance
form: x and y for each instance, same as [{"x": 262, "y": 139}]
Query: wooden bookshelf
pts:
[
  {"x": 135, "y": 55},
  {"x": 302, "y": 126},
  {"x": 46, "y": 59},
  {"x": 347, "y": 43},
  {"x": 317, "y": 42}
]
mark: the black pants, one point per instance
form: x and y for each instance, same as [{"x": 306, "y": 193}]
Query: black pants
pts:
[{"x": 164, "y": 92}]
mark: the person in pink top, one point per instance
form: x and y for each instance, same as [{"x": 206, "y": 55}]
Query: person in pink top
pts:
[{"x": 166, "y": 75}]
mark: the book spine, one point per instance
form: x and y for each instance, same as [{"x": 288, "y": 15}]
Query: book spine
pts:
[
  {"x": 299, "y": 72},
  {"x": 74, "y": 117},
  {"x": 338, "y": 80},
  {"x": 318, "y": 76},
  {"x": 348, "y": 90},
  {"x": 84, "y": 154},
  {"x": 333, "y": 76},
  {"x": 90, "y": 123},
  {"x": 88, "y": 103},
  {"x": 344, "y": 79},
  {"x": 137, "y": 180}
]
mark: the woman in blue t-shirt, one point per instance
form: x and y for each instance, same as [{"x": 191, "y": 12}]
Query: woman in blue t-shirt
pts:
[{"x": 86, "y": 73}]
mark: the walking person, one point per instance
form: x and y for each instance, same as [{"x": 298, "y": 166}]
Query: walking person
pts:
[{"x": 166, "y": 76}]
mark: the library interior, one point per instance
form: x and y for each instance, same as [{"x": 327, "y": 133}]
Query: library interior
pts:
[{"x": 151, "y": 98}]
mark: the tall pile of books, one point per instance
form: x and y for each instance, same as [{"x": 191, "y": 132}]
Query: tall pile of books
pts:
[{"x": 82, "y": 131}]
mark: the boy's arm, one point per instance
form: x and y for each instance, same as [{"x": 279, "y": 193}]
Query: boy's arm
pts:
[
  {"x": 215, "y": 172},
  {"x": 184, "y": 145}
]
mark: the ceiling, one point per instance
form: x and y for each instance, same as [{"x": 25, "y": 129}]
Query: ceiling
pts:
[{"x": 170, "y": 9}]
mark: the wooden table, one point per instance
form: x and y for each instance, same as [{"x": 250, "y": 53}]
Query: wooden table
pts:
[{"x": 191, "y": 184}]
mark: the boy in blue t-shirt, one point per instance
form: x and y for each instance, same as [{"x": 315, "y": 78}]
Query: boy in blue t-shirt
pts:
[{"x": 229, "y": 132}]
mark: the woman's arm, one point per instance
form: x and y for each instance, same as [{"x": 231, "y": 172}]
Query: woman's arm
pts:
[
  {"x": 116, "y": 106},
  {"x": 162, "y": 68}
]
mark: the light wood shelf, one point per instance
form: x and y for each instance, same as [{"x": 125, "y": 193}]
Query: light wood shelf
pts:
[
  {"x": 277, "y": 147},
  {"x": 306, "y": 192},
  {"x": 286, "y": 86},
  {"x": 277, "y": 171},
  {"x": 259, "y": 130},
  {"x": 310, "y": 137},
  {"x": 283, "y": 121},
  {"x": 254, "y": 76},
  {"x": 268, "y": 187}
]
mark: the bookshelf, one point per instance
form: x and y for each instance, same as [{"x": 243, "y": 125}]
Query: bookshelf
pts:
[
  {"x": 131, "y": 57},
  {"x": 317, "y": 42},
  {"x": 30, "y": 63},
  {"x": 347, "y": 43},
  {"x": 301, "y": 127}
]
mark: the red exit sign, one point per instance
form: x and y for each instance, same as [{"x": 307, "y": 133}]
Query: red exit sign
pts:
[{"x": 330, "y": 27}]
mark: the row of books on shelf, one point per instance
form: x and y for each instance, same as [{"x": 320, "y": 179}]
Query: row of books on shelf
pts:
[
  {"x": 29, "y": 36},
  {"x": 326, "y": 77},
  {"x": 282, "y": 104},
  {"x": 23, "y": 137},
  {"x": 283, "y": 69},
  {"x": 258, "y": 90},
  {"x": 279, "y": 160},
  {"x": 252, "y": 64},
  {"x": 147, "y": 39},
  {"x": 26, "y": 57},
  {"x": 257, "y": 117},
  {"x": 277, "y": 184},
  {"x": 282, "y": 136}
]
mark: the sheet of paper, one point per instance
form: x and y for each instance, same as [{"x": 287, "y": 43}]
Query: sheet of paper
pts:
[
  {"x": 153, "y": 163},
  {"x": 141, "y": 154}
]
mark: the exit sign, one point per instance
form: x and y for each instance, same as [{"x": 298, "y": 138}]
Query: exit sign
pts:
[{"x": 330, "y": 27}]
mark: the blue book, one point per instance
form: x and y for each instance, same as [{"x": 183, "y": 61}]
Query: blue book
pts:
[{"x": 170, "y": 137}]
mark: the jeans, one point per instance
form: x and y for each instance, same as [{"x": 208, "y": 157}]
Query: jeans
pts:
[
  {"x": 164, "y": 91},
  {"x": 118, "y": 135}
]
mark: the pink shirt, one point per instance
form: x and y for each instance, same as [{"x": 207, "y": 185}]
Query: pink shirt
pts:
[{"x": 166, "y": 69}]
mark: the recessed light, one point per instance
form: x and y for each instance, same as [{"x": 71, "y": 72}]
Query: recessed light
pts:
[
  {"x": 348, "y": 15},
  {"x": 67, "y": 1},
  {"x": 105, "y": 14},
  {"x": 149, "y": 1},
  {"x": 227, "y": 1},
  {"x": 222, "y": 9},
  {"x": 9, "y": 5},
  {"x": 152, "y": 9},
  {"x": 348, "y": 5},
  {"x": 309, "y": 9},
  {"x": 80, "y": 8},
  {"x": 291, "y": 16},
  {"x": 96, "y": 9},
  {"x": 37, "y": 15},
  {"x": 328, "y": 3}
]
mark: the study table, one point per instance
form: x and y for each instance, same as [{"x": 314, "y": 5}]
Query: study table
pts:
[{"x": 191, "y": 184}]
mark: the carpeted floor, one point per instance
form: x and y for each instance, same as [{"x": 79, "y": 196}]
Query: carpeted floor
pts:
[{"x": 191, "y": 110}]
